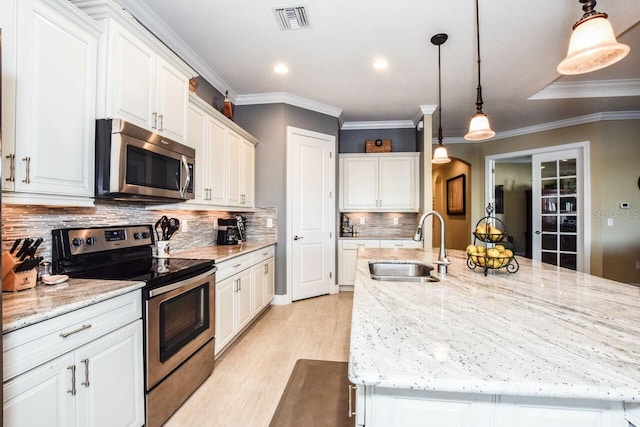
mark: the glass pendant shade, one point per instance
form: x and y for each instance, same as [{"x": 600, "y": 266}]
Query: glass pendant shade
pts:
[
  {"x": 440, "y": 155},
  {"x": 479, "y": 128},
  {"x": 593, "y": 46}
]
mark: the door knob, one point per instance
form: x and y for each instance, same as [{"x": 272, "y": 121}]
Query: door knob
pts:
[
  {"x": 298, "y": 237},
  {"x": 538, "y": 231}
]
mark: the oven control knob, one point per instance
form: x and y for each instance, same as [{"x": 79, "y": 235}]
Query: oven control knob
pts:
[
  {"x": 145, "y": 235},
  {"x": 77, "y": 241},
  {"x": 137, "y": 236},
  {"x": 91, "y": 240}
]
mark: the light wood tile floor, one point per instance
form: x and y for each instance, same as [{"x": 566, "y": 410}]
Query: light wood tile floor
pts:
[{"x": 249, "y": 378}]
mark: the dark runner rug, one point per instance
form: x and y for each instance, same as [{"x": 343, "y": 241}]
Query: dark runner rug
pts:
[{"x": 316, "y": 395}]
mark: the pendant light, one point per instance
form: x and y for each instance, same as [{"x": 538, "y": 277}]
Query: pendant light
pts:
[
  {"x": 592, "y": 45},
  {"x": 479, "y": 127},
  {"x": 440, "y": 153}
]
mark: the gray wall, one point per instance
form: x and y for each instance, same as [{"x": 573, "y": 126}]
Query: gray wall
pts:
[
  {"x": 352, "y": 141},
  {"x": 268, "y": 123}
]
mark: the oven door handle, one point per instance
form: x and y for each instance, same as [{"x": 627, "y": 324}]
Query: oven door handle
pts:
[{"x": 180, "y": 284}]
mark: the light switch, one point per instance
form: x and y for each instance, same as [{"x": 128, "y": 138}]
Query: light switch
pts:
[
  {"x": 395, "y": 221},
  {"x": 361, "y": 220},
  {"x": 610, "y": 222},
  {"x": 269, "y": 222}
]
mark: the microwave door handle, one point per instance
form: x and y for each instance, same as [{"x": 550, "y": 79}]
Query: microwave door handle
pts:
[{"x": 183, "y": 191}]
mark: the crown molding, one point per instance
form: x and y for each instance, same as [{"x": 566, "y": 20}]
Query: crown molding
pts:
[
  {"x": 589, "y": 118},
  {"x": 388, "y": 124},
  {"x": 149, "y": 19},
  {"x": 287, "y": 98},
  {"x": 422, "y": 111},
  {"x": 590, "y": 89}
]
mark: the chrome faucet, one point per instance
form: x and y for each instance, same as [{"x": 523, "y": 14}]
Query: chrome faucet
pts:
[{"x": 442, "y": 261}]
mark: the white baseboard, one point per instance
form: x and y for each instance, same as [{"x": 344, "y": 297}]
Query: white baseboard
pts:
[
  {"x": 281, "y": 300},
  {"x": 346, "y": 288}
]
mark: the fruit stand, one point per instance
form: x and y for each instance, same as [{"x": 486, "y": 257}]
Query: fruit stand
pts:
[{"x": 490, "y": 230}]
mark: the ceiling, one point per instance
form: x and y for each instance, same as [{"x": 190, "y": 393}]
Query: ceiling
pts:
[{"x": 235, "y": 44}]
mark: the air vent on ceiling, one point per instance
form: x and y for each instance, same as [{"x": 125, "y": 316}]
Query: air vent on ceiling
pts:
[{"x": 291, "y": 17}]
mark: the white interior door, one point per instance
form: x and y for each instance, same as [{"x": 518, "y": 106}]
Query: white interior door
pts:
[
  {"x": 558, "y": 209},
  {"x": 311, "y": 203}
]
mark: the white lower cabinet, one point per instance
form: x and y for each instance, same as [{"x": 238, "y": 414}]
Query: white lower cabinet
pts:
[
  {"x": 244, "y": 287},
  {"x": 384, "y": 407},
  {"x": 97, "y": 383}
]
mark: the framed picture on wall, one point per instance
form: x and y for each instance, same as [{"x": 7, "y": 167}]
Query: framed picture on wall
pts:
[{"x": 456, "y": 195}]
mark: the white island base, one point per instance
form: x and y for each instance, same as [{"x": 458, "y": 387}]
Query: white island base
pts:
[{"x": 384, "y": 407}]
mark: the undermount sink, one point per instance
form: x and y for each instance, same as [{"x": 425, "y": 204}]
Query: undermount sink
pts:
[{"x": 401, "y": 271}]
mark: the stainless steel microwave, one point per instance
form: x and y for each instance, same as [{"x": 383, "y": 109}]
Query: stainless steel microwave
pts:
[{"x": 135, "y": 164}]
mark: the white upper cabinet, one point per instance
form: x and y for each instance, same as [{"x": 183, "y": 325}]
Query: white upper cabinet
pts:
[
  {"x": 140, "y": 80},
  {"x": 379, "y": 182},
  {"x": 225, "y": 159},
  {"x": 49, "y": 62}
]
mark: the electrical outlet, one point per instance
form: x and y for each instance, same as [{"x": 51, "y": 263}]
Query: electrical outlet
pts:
[
  {"x": 269, "y": 222},
  {"x": 184, "y": 225},
  {"x": 609, "y": 222},
  {"x": 362, "y": 220},
  {"x": 395, "y": 221}
]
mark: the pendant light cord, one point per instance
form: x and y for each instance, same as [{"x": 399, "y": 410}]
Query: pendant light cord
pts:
[
  {"x": 479, "y": 101},
  {"x": 439, "y": 100}
]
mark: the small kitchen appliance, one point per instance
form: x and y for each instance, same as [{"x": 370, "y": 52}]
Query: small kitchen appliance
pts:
[
  {"x": 242, "y": 228},
  {"x": 178, "y": 305},
  {"x": 227, "y": 232}
]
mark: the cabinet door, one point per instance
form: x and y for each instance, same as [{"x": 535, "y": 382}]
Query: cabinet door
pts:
[
  {"x": 216, "y": 164},
  {"x": 41, "y": 396},
  {"x": 132, "y": 81},
  {"x": 408, "y": 244},
  {"x": 398, "y": 186},
  {"x": 247, "y": 184},
  {"x": 109, "y": 378},
  {"x": 348, "y": 266},
  {"x": 225, "y": 307},
  {"x": 243, "y": 299},
  {"x": 259, "y": 276},
  {"x": 235, "y": 167},
  {"x": 269, "y": 281},
  {"x": 198, "y": 124},
  {"x": 359, "y": 184},
  {"x": 172, "y": 101},
  {"x": 56, "y": 97}
]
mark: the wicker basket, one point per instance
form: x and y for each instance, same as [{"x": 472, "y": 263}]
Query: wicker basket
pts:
[{"x": 377, "y": 146}]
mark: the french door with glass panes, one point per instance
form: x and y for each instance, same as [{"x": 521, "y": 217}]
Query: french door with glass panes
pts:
[{"x": 558, "y": 211}]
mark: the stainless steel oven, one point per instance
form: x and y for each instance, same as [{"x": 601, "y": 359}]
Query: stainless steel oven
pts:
[
  {"x": 178, "y": 305},
  {"x": 133, "y": 163},
  {"x": 179, "y": 325}
]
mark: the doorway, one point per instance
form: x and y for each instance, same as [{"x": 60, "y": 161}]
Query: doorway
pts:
[
  {"x": 311, "y": 209},
  {"x": 558, "y": 229},
  {"x": 458, "y": 220}
]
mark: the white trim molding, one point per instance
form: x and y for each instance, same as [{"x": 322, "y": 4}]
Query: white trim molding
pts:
[
  {"x": 389, "y": 124},
  {"x": 590, "y": 89},
  {"x": 287, "y": 98}
]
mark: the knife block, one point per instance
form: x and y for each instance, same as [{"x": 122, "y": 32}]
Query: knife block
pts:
[
  {"x": 8, "y": 262},
  {"x": 18, "y": 281}
]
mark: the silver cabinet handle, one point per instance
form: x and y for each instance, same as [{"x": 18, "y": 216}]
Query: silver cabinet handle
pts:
[
  {"x": 237, "y": 265},
  {"x": 86, "y": 372},
  {"x": 236, "y": 285},
  {"x": 80, "y": 329},
  {"x": 73, "y": 380},
  {"x": 266, "y": 269},
  {"x": 155, "y": 120},
  {"x": 161, "y": 120},
  {"x": 352, "y": 388},
  {"x": 28, "y": 169},
  {"x": 12, "y": 168},
  {"x": 298, "y": 237},
  {"x": 240, "y": 285}
]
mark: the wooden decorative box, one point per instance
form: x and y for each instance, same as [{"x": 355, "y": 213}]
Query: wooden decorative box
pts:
[{"x": 377, "y": 146}]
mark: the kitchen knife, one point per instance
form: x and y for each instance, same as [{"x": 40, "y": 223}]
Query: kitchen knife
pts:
[
  {"x": 25, "y": 246},
  {"x": 34, "y": 248},
  {"x": 28, "y": 264},
  {"x": 28, "y": 252},
  {"x": 15, "y": 246}
]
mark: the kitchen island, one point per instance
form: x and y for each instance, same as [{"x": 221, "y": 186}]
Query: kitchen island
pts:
[{"x": 545, "y": 346}]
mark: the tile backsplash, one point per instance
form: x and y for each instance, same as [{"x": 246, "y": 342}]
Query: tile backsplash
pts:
[
  {"x": 381, "y": 224},
  {"x": 38, "y": 221}
]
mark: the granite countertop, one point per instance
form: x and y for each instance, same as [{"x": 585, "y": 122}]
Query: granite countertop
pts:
[
  {"x": 542, "y": 331},
  {"x": 24, "y": 308},
  {"x": 221, "y": 253}
]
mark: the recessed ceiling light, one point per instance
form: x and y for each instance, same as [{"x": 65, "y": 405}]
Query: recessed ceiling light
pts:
[
  {"x": 281, "y": 69},
  {"x": 380, "y": 64}
]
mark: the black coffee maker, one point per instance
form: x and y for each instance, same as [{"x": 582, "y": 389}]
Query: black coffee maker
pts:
[{"x": 227, "y": 231}]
